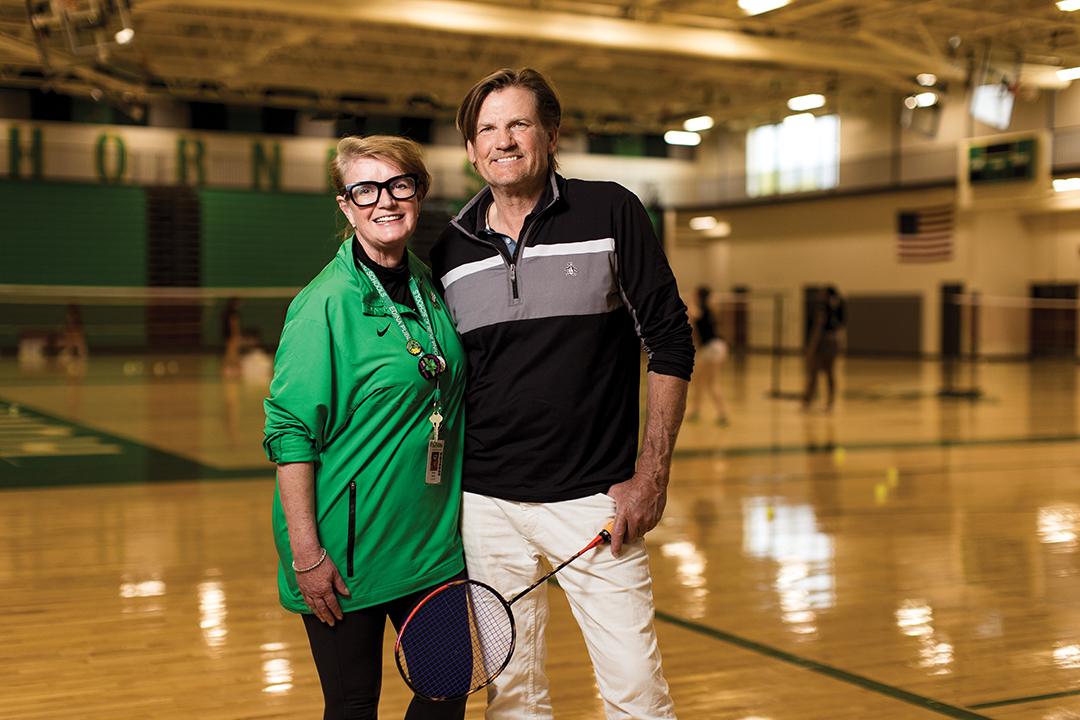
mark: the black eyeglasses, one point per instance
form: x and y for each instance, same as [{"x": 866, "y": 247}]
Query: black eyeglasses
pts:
[{"x": 400, "y": 187}]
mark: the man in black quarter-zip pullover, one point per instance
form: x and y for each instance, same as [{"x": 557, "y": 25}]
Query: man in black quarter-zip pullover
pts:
[{"x": 555, "y": 285}]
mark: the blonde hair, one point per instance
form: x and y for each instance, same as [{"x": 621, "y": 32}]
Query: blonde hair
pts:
[{"x": 407, "y": 154}]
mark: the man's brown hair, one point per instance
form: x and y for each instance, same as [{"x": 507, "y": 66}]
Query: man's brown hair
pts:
[{"x": 548, "y": 106}]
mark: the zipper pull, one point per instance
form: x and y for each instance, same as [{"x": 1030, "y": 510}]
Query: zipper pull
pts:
[{"x": 513, "y": 272}]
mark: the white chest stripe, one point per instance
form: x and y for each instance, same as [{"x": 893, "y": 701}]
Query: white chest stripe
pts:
[
  {"x": 589, "y": 247},
  {"x": 470, "y": 268}
]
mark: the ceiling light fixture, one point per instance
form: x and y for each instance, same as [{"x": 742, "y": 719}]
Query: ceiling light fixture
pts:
[
  {"x": 800, "y": 119},
  {"x": 124, "y": 36},
  {"x": 928, "y": 79},
  {"x": 756, "y": 7},
  {"x": 921, "y": 100},
  {"x": 679, "y": 137},
  {"x": 705, "y": 222},
  {"x": 1067, "y": 184},
  {"x": 1068, "y": 74},
  {"x": 805, "y": 102},
  {"x": 697, "y": 124},
  {"x": 1069, "y": 5}
]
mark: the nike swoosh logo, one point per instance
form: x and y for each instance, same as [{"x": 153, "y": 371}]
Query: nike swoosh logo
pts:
[{"x": 382, "y": 332}]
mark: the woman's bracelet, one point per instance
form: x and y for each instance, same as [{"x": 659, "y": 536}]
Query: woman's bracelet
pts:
[{"x": 309, "y": 569}]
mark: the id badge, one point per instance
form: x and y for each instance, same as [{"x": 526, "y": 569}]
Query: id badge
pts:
[{"x": 434, "y": 462}]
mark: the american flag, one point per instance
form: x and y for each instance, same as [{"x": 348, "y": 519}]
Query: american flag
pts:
[{"x": 925, "y": 235}]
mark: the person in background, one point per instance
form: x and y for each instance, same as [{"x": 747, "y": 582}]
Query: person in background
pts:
[
  {"x": 823, "y": 345},
  {"x": 712, "y": 350},
  {"x": 365, "y": 423},
  {"x": 554, "y": 284},
  {"x": 74, "y": 342},
  {"x": 233, "y": 336}
]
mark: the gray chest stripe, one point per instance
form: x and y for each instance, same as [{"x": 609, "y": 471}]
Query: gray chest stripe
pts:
[{"x": 582, "y": 279}]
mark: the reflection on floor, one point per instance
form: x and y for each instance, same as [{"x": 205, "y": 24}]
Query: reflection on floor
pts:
[{"x": 911, "y": 554}]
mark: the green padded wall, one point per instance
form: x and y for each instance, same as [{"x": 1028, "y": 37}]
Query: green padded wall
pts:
[
  {"x": 56, "y": 233},
  {"x": 85, "y": 234},
  {"x": 266, "y": 239},
  {"x": 72, "y": 234}
]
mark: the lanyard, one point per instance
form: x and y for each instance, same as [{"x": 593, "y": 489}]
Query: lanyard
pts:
[{"x": 431, "y": 364}]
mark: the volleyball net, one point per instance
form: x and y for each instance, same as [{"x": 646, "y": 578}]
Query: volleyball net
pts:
[
  {"x": 46, "y": 320},
  {"x": 41, "y": 320},
  {"x": 961, "y": 331}
]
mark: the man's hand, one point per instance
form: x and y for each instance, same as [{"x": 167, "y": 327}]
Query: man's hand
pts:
[
  {"x": 640, "y": 501},
  {"x": 639, "y": 505}
]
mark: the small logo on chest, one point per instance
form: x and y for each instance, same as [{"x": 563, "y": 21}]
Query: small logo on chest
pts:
[
  {"x": 382, "y": 332},
  {"x": 571, "y": 270}
]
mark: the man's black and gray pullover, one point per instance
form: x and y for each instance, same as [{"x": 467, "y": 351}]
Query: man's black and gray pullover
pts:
[{"x": 554, "y": 336}]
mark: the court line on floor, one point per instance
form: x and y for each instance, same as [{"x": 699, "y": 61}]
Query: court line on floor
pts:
[
  {"x": 1021, "y": 701},
  {"x": 865, "y": 474},
  {"x": 134, "y": 462},
  {"x": 689, "y": 453},
  {"x": 826, "y": 670}
]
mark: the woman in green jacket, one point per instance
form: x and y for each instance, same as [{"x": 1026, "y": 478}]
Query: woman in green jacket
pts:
[{"x": 364, "y": 421}]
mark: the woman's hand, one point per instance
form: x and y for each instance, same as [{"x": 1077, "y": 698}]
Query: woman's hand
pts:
[{"x": 319, "y": 587}]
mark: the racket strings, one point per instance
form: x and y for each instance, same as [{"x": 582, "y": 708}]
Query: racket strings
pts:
[{"x": 456, "y": 642}]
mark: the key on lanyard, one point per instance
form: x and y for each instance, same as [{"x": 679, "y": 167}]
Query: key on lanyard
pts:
[
  {"x": 435, "y": 447},
  {"x": 436, "y": 422}
]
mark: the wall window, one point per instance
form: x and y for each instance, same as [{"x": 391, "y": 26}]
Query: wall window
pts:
[{"x": 798, "y": 155}]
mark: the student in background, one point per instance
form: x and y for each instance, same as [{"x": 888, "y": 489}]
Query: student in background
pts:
[
  {"x": 823, "y": 346},
  {"x": 712, "y": 350}
]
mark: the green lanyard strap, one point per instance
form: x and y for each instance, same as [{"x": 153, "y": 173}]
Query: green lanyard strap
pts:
[{"x": 431, "y": 364}]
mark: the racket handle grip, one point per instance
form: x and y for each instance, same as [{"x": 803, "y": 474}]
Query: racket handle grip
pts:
[{"x": 605, "y": 534}]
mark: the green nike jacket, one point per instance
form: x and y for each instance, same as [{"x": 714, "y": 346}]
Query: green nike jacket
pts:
[{"x": 348, "y": 396}]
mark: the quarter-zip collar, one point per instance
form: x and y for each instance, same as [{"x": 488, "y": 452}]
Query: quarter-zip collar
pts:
[{"x": 471, "y": 218}]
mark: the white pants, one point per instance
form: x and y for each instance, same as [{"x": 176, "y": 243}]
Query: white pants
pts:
[{"x": 611, "y": 598}]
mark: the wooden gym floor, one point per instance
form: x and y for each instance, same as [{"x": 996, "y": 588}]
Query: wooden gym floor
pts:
[{"x": 907, "y": 556}]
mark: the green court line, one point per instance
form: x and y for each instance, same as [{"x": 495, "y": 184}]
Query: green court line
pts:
[
  {"x": 689, "y": 453},
  {"x": 1021, "y": 701},
  {"x": 135, "y": 463},
  {"x": 827, "y": 670}
]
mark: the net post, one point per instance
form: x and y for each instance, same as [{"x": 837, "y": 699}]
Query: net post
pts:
[
  {"x": 954, "y": 359},
  {"x": 778, "y": 343}
]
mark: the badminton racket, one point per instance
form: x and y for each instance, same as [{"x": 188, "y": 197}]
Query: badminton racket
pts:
[{"x": 461, "y": 635}]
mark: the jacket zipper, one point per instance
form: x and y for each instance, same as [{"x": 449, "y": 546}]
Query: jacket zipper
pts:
[
  {"x": 521, "y": 241},
  {"x": 352, "y": 529},
  {"x": 523, "y": 238}
]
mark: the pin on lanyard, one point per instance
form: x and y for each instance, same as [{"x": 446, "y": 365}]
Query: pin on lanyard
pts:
[{"x": 430, "y": 364}]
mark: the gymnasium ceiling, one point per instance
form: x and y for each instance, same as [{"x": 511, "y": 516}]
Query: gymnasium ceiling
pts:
[{"x": 620, "y": 65}]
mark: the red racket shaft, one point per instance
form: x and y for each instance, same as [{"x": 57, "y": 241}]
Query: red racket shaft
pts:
[{"x": 603, "y": 537}]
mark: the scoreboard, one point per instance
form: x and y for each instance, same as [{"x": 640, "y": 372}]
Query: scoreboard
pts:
[{"x": 1014, "y": 159}]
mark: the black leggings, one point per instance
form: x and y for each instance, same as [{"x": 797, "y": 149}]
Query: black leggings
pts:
[{"x": 349, "y": 660}]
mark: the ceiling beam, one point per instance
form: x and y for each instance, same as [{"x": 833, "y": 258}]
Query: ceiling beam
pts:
[{"x": 612, "y": 33}]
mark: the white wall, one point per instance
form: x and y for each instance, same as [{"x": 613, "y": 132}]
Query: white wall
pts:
[
  {"x": 777, "y": 249},
  {"x": 1005, "y": 238}
]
